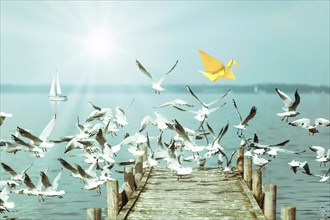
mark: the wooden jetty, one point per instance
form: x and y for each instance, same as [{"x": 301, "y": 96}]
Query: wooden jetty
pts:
[{"x": 204, "y": 194}]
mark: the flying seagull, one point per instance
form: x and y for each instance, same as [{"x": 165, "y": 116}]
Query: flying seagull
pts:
[
  {"x": 156, "y": 85},
  {"x": 290, "y": 107}
]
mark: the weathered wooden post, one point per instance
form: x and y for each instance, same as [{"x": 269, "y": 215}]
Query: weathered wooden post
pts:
[
  {"x": 248, "y": 172},
  {"x": 129, "y": 177},
  {"x": 257, "y": 186},
  {"x": 240, "y": 160},
  {"x": 270, "y": 201},
  {"x": 288, "y": 212},
  {"x": 145, "y": 155},
  {"x": 93, "y": 214},
  {"x": 138, "y": 170},
  {"x": 113, "y": 203}
]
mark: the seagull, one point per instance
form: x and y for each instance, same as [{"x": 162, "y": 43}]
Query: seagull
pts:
[
  {"x": 156, "y": 85},
  {"x": 244, "y": 123},
  {"x": 3, "y": 116},
  {"x": 297, "y": 164},
  {"x": 31, "y": 148},
  {"x": 14, "y": 175},
  {"x": 227, "y": 168},
  {"x": 306, "y": 123},
  {"x": 11, "y": 146},
  {"x": 175, "y": 102},
  {"x": 290, "y": 108},
  {"x": 260, "y": 162},
  {"x": 51, "y": 188},
  {"x": 324, "y": 178},
  {"x": 320, "y": 154},
  {"x": 99, "y": 113},
  {"x": 4, "y": 203},
  {"x": 40, "y": 141}
]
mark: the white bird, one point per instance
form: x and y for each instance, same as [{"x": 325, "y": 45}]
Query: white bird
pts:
[
  {"x": 51, "y": 188},
  {"x": 31, "y": 148},
  {"x": 321, "y": 155},
  {"x": 244, "y": 123},
  {"x": 290, "y": 107},
  {"x": 324, "y": 178},
  {"x": 14, "y": 175},
  {"x": 40, "y": 141},
  {"x": 4, "y": 203},
  {"x": 306, "y": 123},
  {"x": 11, "y": 146},
  {"x": 156, "y": 85},
  {"x": 260, "y": 162},
  {"x": 3, "y": 116},
  {"x": 175, "y": 102},
  {"x": 99, "y": 113},
  {"x": 297, "y": 164}
]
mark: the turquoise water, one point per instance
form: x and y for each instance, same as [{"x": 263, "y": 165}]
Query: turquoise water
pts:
[{"x": 33, "y": 111}]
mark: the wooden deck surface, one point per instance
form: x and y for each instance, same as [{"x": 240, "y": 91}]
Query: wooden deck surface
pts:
[{"x": 205, "y": 194}]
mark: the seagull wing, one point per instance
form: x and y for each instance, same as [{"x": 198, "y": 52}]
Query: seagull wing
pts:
[
  {"x": 193, "y": 94},
  {"x": 36, "y": 140},
  {"x": 45, "y": 180},
  {"x": 143, "y": 70},
  {"x": 285, "y": 98},
  {"x": 239, "y": 115},
  {"x": 322, "y": 121},
  {"x": 303, "y": 122},
  {"x": 48, "y": 129},
  {"x": 296, "y": 101},
  {"x": 252, "y": 113},
  {"x": 172, "y": 68},
  {"x": 9, "y": 169},
  {"x": 28, "y": 182},
  {"x": 26, "y": 169},
  {"x": 216, "y": 100},
  {"x": 94, "y": 106},
  {"x": 57, "y": 178},
  {"x": 68, "y": 166},
  {"x": 280, "y": 144}
]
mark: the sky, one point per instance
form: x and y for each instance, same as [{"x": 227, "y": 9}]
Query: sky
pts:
[{"x": 97, "y": 42}]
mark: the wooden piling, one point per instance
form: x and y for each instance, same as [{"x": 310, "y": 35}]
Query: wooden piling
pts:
[
  {"x": 93, "y": 214},
  {"x": 129, "y": 177},
  {"x": 113, "y": 203},
  {"x": 240, "y": 160},
  {"x": 288, "y": 212},
  {"x": 145, "y": 155},
  {"x": 270, "y": 201},
  {"x": 138, "y": 170},
  {"x": 248, "y": 172},
  {"x": 257, "y": 186}
]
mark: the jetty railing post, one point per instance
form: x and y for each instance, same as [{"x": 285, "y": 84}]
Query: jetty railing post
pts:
[
  {"x": 138, "y": 170},
  {"x": 257, "y": 186},
  {"x": 129, "y": 177},
  {"x": 270, "y": 201},
  {"x": 240, "y": 160},
  {"x": 93, "y": 214},
  {"x": 288, "y": 212},
  {"x": 112, "y": 199},
  {"x": 248, "y": 172}
]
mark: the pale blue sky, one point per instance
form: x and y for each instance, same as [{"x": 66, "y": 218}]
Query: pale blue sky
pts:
[{"x": 273, "y": 41}]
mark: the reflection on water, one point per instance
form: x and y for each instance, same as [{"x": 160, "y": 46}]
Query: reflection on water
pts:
[{"x": 33, "y": 111}]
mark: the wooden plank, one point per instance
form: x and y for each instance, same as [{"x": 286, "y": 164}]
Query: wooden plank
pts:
[{"x": 205, "y": 194}]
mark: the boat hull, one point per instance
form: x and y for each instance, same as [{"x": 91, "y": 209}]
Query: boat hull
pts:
[{"x": 57, "y": 98}]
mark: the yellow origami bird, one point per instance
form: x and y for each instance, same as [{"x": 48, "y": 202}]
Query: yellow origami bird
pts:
[{"x": 215, "y": 69}]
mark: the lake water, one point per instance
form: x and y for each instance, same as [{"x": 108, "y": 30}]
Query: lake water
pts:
[{"x": 33, "y": 111}]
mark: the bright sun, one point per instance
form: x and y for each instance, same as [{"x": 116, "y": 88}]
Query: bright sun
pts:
[{"x": 98, "y": 44}]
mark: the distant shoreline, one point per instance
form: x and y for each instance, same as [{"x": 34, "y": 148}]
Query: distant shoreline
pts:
[{"x": 180, "y": 88}]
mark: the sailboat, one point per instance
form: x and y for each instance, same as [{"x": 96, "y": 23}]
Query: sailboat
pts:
[{"x": 55, "y": 93}]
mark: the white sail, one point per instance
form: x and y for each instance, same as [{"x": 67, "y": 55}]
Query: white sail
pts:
[
  {"x": 52, "y": 91},
  {"x": 55, "y": 93},
  {"x": 58, "y": 86}
]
